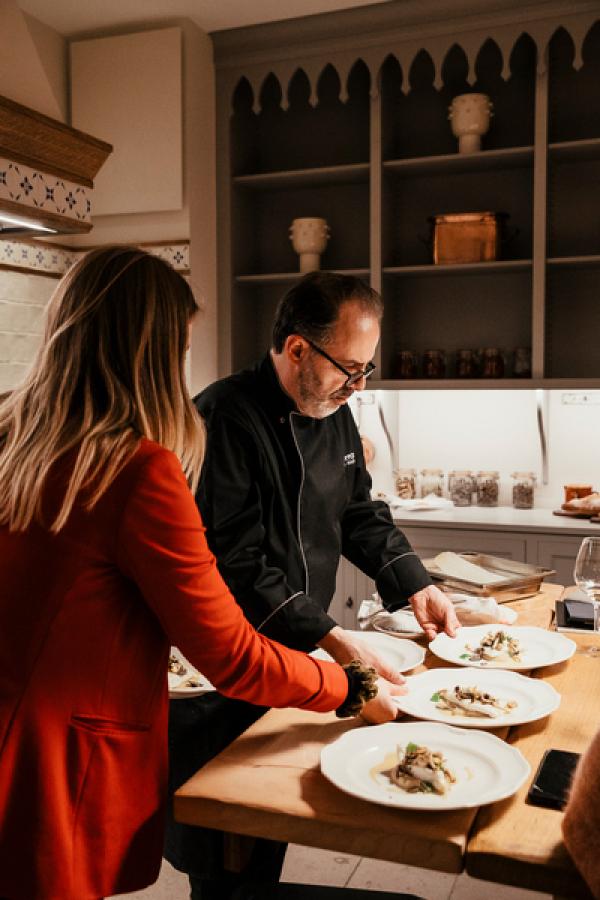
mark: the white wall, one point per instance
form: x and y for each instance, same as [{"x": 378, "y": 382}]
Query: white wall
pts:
[{"x": 491, "y": 430}]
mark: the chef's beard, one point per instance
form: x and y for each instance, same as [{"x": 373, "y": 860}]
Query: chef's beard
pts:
[{"x": 313, "y": 401}]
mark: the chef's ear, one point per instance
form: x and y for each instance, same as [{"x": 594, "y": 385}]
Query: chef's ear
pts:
[{"x": 296, "y": 348}]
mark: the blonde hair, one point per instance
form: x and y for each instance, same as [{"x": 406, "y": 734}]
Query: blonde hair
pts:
[{"x": 110, "y": 371}]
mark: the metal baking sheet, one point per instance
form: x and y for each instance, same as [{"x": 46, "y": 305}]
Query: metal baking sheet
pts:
[{"x": 519, "y": 579}]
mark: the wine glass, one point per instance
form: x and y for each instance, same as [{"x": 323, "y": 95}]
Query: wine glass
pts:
[{"x": 587, "y": 578}]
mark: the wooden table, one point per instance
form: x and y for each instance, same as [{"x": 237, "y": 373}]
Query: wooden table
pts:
[{"x": 268, "y": 784}]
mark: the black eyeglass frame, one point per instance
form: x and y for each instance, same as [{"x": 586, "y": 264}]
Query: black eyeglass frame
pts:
[{"x": 351, "y": 377}]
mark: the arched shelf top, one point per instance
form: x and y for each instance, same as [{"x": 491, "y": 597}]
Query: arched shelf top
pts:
[{"x": 372, "y": 57}]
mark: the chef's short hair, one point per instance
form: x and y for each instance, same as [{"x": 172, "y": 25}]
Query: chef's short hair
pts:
[{"x": 311, "y": 308}]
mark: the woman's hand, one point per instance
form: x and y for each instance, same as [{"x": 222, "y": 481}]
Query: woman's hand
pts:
[{"x": 382, "y": 707}]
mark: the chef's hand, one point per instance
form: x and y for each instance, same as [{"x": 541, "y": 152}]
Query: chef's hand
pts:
[
  {"x": 344, "y": 647},
  {"x": 382, "y": 707},
  {"x": 434, "y": 612}
]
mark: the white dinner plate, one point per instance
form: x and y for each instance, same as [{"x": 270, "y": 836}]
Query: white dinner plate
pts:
[
  {"x": 538, "y": 647},
  {"x": 401, "y": 654},
  {"x": 179, "y": 688},
  {"x": 535, "y": 698},
  {"x": 486, "y": 768}
]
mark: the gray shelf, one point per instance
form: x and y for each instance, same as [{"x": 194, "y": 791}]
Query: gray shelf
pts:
[
  {"x": 513, "y": 157},
  {"x": 575, "y": 261},
  {"x": 496, "y": 266},
  {"x": 355, "y": 173},
  {"x": 465, "y": 384},
  {"x": 574, "y": 151},
  {"x": 281, "y": 277}
]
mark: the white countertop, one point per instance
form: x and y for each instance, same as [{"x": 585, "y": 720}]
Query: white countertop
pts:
[{"x": 496, "y": 518}]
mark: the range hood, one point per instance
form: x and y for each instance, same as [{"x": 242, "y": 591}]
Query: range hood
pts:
[{"x": 47, "y": 172}]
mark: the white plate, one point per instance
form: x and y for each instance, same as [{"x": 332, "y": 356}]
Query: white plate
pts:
[
  {"x": 401, "y": 624},
  {"x": 535, "y": 698},
  {"x": 178, "y": 690},
  {"x": 486, "y": 768},
  {"x": 538, "y": 647},
  {"x": 402, "y": 655}
]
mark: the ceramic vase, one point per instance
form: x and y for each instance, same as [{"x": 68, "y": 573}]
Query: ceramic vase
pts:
[
  {"x": 469, "y": 115},
  {"x": 309, "y": 238}
]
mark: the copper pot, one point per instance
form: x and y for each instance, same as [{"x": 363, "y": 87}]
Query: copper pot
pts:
[{"x": 467, "y": 237}]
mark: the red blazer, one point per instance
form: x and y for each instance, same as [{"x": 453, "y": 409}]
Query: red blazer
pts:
[{"x": 86, "y": 620}]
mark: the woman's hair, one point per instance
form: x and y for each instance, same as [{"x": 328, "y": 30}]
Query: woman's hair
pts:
[
  {"x": 312, "y": 307},
  {"x": 110, "y": 371}
]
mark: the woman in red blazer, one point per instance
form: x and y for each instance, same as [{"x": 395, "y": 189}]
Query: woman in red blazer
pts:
[{"x": 103, "y": 565}]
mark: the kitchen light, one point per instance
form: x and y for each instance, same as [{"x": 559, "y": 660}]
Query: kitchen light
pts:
[{"x": 24, "y": 223}]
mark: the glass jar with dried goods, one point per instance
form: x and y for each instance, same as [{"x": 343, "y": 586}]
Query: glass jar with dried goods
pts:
[
  {"x": 405, "y": 481},
  {"x": 488, "y": 488},
  {"x": 434, "y": 364},
  {"x": 492, "y": 363},
  {"x": 432, "y": 482},
  {"x": 405, "y": 364},
  {"x": 522, "y": 492},
  {"x": 461, "y": 487},
  {"x": 466, "y": 364}
]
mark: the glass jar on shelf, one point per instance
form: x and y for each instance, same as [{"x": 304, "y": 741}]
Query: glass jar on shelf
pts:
[
  {"x": 432, "y": 482},
  {"x": 461, "y": 487},
  {"x": 406, "y": 483},
  {"x": 406, "y": 364},
  {"x": 488, "y": 488},
  {"x": 522, "y": 363},
  {"x": 434, "y": 364},
  {"x": 466, "y": 364},
  {"x": 492, "y": 363},
  {"x": 522, "y": 492}
]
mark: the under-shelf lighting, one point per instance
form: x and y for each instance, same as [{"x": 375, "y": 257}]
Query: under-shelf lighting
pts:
[{"x": 24, "y": 223}]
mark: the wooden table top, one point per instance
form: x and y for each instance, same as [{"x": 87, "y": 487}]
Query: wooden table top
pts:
[{"x": 268, "y": 784}]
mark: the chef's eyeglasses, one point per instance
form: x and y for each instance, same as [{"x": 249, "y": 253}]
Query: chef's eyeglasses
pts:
[{"x": 351, "y": 377}]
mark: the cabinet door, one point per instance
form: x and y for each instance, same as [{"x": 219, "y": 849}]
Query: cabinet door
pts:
[
  {"x": 352, "y": 587},
  {"x": 558, "y": 553},
  {"x": 428, "y": 542}
]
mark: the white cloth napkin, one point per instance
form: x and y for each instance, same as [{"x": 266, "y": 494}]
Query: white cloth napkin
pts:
[
  {"x": 431, "y": 501},
  {"x": 469, "y": 609}
]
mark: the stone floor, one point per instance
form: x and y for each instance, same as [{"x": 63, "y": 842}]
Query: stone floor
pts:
[{"x": 308, "y": 866}]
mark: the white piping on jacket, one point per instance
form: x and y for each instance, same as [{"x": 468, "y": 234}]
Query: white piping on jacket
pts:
[
  {"x": 306, "y": 578},
  {"x": 400, "y": 556},
  {"x": 274, "y": 611}
]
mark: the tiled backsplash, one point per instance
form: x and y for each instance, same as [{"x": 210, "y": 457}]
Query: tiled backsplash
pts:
[{"x": 23, "y": 299}]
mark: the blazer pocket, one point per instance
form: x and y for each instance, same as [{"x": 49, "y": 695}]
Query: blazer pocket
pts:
[{"x": 102, "y": 725}]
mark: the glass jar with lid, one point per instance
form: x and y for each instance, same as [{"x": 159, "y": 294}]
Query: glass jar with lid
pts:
[
  {"x": 488, "y": 488},
  {"x": 492, "y": 363},
  {"x": 406, "y": 364},
  {"x": 405, "y": 481},
  {"x": 432, "y": 482},
  {"x": 522, "y": 492},
  {"x": 461, "y": 487},
  {"x": 434, "y": 364}
]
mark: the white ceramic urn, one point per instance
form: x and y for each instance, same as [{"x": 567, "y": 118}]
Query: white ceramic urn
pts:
[
  {"x": 469, "y": 116},
  {"x": 309, "y": 238}
]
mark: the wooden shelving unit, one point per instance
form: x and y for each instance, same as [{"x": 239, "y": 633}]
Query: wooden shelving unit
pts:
[{"x": 376, "y": 157}]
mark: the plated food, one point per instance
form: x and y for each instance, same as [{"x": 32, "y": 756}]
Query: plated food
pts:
[
  {"x": 522, "y": 647},
  {"x": 486, "y": 698},
  {"x": 421, "y": 769},
  {"x": 184, "y": 680},
  {"x": 366, "y": 763}
]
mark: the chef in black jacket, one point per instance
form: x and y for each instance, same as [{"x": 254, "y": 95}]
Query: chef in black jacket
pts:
[{"x": 284, "y": 493}]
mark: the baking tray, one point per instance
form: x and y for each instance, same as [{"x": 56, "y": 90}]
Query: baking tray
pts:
[{"x": 520, "y": 579}]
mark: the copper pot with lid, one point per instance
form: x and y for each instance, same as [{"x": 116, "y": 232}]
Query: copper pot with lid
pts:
[{"x": 467, "y": 237}]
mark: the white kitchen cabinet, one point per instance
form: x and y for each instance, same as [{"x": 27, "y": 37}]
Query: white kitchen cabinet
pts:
[{"x": 541, "y": 549}]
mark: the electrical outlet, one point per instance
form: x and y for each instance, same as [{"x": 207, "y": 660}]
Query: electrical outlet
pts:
[{"x": 581, "y": 398}]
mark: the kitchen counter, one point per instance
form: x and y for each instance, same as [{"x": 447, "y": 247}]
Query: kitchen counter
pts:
[{"x": 497, "y": 518}]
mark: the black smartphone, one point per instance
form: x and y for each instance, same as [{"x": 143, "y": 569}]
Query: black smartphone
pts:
[
  {"x": 579, "y": 613},
  {"x": 552, "y": 780}
]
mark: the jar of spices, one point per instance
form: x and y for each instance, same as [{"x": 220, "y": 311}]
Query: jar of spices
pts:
[
  {"x": 522, "y": 492},
  {"x": 488, "y": 488},
  {"x": 432, "y": 482},
  {"x": 466, "y": 364},
  {"x": 492, "y": 363},
  {"x": 406, "y": 364},
  {"x": 461, "y": 487},
  {"x": 434, "y": 364},
  {"x": 406, "y": 483},
  {"x": 522, "y": 363}
]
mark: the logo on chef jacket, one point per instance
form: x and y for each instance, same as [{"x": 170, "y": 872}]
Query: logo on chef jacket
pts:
[{"x": 349, "y": 459}]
